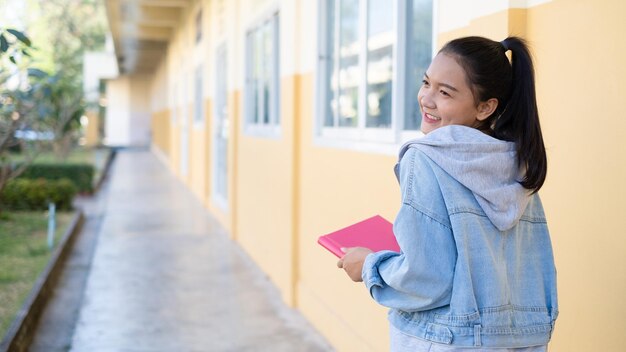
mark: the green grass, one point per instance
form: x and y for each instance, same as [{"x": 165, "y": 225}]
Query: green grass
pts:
[
  {"x": 78, "y": 155},
  {"x": 23, "y": 256}
]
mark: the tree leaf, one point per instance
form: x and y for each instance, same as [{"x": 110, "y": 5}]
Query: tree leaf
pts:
[
  {"x": 35, "y": 72},
  {"x": 4, "y": 45},
  {"x": 20, "y": 36}
]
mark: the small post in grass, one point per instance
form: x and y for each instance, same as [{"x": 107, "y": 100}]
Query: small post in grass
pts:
[{"x": 51, "y": 224}]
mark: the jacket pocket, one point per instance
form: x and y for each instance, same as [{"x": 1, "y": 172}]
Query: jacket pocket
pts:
[{"x": 438, "y": 333}]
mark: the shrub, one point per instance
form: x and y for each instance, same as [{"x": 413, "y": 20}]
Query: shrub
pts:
[
  {"x": 79, "y": 174},
  {"x": 27, "y": 194}
]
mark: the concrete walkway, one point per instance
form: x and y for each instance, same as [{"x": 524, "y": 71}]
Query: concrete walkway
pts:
[{"x": 165, "y": 276}]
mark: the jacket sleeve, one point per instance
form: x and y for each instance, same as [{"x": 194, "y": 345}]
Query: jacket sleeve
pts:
[{"x": 420, "y": 277}]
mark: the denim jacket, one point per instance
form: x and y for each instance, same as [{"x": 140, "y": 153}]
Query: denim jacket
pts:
[{"x": 476, "y": 266}]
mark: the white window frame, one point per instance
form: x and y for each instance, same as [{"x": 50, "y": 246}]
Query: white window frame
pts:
[
  {"x": 376, "y": 140},
  {"x": 272, "y": 129}
]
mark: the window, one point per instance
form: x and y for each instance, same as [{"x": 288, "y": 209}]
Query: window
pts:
[
  {"x": 373, "y": 55},
  {"x": 198, "y": 111},
  {"x": 199, "y": 26},
  {"x": 419, "y": 54},
  {"x": 262, "y": 88}
]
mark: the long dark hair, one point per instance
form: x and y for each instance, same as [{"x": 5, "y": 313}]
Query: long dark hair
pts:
[{"x": 516, "y": 118}]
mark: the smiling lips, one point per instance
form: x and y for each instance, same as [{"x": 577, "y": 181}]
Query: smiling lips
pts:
[{"x": 431, "y": 118}]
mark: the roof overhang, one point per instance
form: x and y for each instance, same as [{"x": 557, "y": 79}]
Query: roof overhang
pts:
[{"x": 141, "y": 30}]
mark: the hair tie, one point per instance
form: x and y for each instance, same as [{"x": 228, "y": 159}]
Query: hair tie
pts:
[{"x": 504, "y": 45}]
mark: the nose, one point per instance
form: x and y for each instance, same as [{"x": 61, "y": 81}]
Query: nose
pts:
[{"x": 425, "y": 99}]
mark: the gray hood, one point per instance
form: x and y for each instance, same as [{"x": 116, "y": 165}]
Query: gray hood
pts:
[{"x": 485, "y": 165}]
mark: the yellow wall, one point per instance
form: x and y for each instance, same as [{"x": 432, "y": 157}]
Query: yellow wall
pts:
[
  {"x": 337, "y": 188},
  {"x": 188, "y": 127},
  {"x": 496, "y": 26},
  {"x": 174, "y": 145},
  {"x": 581, "y": 81},
  {"x": 265, "y": 205},
  {"x": 579, "y": 53},
  {"x": 92, "y": 134},
  {"x": 161, "y": 131},
  {"x": 284, "y": 192}
]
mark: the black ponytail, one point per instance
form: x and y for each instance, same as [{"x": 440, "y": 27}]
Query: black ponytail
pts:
[{"x": 516, "y": 119}]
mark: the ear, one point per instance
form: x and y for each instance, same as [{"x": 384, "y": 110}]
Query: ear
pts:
[{"x": 486, "y": 108}]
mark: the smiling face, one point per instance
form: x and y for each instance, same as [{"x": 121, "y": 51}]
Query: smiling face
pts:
[{"x": 446, "y": 97}]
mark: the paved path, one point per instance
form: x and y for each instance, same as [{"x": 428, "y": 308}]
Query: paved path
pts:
[{"x": 165, "y": 277}]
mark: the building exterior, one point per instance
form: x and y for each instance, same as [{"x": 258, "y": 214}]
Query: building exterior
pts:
[
  {"x": 98, "y": 67},
  {"x": 284, "y": 118}
]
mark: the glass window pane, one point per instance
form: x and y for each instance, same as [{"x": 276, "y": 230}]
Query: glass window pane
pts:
[
  {"x": 262, "y": 74},
  {"x": 349, "y": 75},
  {"x": 198, "y": 111},
  {"x": 379, "y": 63},
  {"x": 220, "y": 137},
  {"x": 250, "y": 99},
  {"x": 275, "y": 35},
  {"x": 253, "y": 80},
  {"x": 267, "y": 69},
  {"x": 419, "y": 56},
  {"x": 258, "y": 76},
  {"x": 331, "y": 68}
]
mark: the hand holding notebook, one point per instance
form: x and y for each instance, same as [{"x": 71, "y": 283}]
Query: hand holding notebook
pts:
[{"x": 374, "y": 233}]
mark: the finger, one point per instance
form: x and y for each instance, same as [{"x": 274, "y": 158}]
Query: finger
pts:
[{"x": 340, "y": 264}]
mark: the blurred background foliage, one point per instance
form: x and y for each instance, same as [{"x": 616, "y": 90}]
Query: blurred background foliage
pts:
[{"x": 42, "y": 44}]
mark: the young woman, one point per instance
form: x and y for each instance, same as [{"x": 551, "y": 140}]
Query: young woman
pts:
[{"x": 476, "y": 270}]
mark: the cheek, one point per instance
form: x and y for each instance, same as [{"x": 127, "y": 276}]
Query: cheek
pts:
[{"x": 461, "y": 114}]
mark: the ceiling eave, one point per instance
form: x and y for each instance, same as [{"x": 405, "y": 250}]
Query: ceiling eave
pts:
[{"x": 141, "y": 31}]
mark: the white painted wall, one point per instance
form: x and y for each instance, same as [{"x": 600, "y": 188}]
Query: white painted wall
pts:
[
  {"x": 116, "y": 130},
  {"x": 455, "y": 14},
  {"x": 139, "y": 134},
  {"x": 128, "y": 111},
  {"x": 307, "y": 36},
  {"x": 97, "y": 66}
]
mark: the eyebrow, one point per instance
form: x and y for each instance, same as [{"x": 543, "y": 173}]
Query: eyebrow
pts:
[{"x": 444, "y": 84}]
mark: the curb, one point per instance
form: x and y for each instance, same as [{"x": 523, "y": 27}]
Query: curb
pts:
[
  {"x": 105, "y": 170},
  {"x": 20, "y": 333}
]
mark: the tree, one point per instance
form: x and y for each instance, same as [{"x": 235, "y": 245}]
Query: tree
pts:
[
  {"x": 16, "y": 100},
  {"x": 68, "y": 28},
  {"x": 13, "y": 44},
  {"x": 47, "y": 102},
  {"x": 64, "y": 108},
  {"x": 37, "y": 110}
]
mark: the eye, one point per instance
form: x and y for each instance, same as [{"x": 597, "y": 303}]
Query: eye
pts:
[
  {"x": 443, "y": 92},
  {"x": 424, "y": 82}
]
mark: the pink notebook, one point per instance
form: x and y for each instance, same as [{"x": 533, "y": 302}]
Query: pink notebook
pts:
[{"x": 374, "y": 233}]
